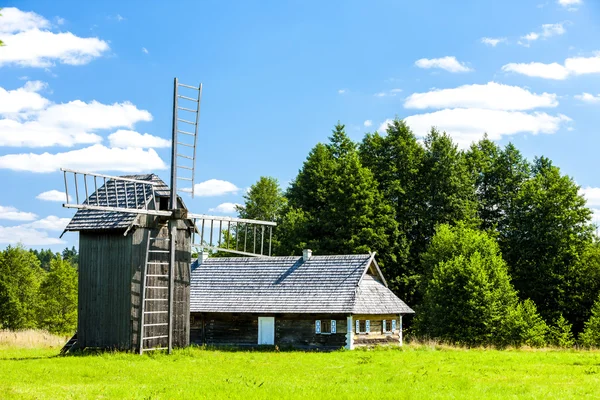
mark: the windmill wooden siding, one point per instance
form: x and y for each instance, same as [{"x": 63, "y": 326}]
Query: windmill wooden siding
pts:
[
  {"x": 301, "y": 295},
  {"x": 112, "y": 254}
]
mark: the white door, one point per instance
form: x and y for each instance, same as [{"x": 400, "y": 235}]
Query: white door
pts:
[{"x": 266, "y": 330}]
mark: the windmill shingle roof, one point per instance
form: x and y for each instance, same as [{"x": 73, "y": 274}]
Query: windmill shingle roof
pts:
[{"x": 106, "y": 196}]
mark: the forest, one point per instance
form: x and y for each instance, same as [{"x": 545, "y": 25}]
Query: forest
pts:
[{"x": 487, "y": 247}]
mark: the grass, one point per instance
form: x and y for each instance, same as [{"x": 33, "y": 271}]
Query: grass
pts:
[{"x": 413, "y": 372}]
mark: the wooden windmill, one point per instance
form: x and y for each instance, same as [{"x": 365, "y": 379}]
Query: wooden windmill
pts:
[{"x": 136, "y": 243}]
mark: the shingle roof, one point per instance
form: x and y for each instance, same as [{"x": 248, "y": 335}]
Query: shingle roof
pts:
[
  {"x": 105, "y": 196},
  {"x": 374, "y": 298},
  {"x": 322, "y": 284}
]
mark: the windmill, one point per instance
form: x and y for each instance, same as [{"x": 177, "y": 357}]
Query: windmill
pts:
[{"x": 136, "y": 242}]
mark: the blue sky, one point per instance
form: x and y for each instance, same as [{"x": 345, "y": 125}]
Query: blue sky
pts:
[{"x": 88, "y": 85}]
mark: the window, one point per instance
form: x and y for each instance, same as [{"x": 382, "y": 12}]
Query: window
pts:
[
  {"x": 163, "y": 203},
  {"x": 388, "y": 325},
  {"x": 363, "y": 326},
  {"x": 325, "y": 326}
]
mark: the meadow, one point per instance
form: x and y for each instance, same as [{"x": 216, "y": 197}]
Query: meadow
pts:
[{"x": 32, "y": 370}]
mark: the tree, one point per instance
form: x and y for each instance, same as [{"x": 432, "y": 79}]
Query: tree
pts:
[
  {"x": 337, "y": 206},
  {"x": 264, "y": 200},
  {"x": 71, "y": 256},
  {"x": 590, "y": 337},
  {"x": 20, "y": 277},
  {"x": 396, "y": 162},
  {"x": 58, "y": 298},
  {"x": 548, "y": 233},
  {"x": 468, "y": 297},
  {"x": 45, "y": 256},
  {"x": 498, "y": 175}
]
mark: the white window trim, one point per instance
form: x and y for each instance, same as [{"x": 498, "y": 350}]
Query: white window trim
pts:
[
  {"x": 367, "y": 327},
  {"x": 332, "y": 327}
]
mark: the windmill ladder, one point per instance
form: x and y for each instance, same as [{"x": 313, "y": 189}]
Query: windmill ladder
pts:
[{"x": 162, "y": 318}]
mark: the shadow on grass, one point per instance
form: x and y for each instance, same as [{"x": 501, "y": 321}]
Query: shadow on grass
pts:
[{"x": 29, "y": 358}]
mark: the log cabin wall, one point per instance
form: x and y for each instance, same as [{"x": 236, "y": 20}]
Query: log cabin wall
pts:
[
  {"x": 291, "y": 330},
  {"x": 376, "y": 335}
]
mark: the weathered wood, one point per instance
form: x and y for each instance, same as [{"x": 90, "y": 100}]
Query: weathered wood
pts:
[
  {"x": 377, "y": 334},
  {"x": 291, "y": 330}
]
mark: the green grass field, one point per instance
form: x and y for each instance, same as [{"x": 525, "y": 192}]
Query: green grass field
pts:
[{"x": 419, "y": 372}]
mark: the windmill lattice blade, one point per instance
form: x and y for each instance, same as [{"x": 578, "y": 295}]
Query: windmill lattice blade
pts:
[{"x": 184, "y": 142}]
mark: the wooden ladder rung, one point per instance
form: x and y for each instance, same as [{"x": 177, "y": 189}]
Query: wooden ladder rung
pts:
[{"x": 155, "y": 337}]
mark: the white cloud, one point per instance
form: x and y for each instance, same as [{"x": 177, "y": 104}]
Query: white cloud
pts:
[
  {"x": 25, "y": 98},
  {"x": 492, "y": 41},
  {"x": 30, "y": 42},
  {"x": 214, "y": 187},
  {"x": 52, "y": 195},
  {"x": 225, "y": 208},
  {"x": 539, "y": 70},
  {"x": 492, "y": 95},
  {"x": 124, "y": 139},
  {"x": 119, "y": 18},
  {"x": 548, "y": 30},
  {"x": 368, "y": 123},
  {"x": 450, "y": 64},
  {"x": 12, "y": 214},
  {"x": 572, "y": 66},
  {"x": 94, "y": 158},
  {"x": 26, "y": 236},
  {"x": 466, "y": 125},
  {"x": 341, "y": 91},
  {"x": 144, "y": 50},
  {"x": 389, "y": 93},
  {"x": 33, "y": 121},
  {"x": 50, "y": 223},
  {"x": 592, "y": 195},
  {"x": 570, "y": 5},
  {"x": 588, "y": 98}
]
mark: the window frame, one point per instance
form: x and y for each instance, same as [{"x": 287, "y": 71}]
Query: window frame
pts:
[
  {"x": 367, "y": 324},
  {"x": 321, "y": 323}
]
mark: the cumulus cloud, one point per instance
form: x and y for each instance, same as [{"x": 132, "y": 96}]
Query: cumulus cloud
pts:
[
  {"x": 494, "y": 96},
  {"x": 588, "y": 98},
  {"x": 368, "y": 123},
  {"x": 30, "y": 120},
  {"x": 214, "y": 187},
  {"x": 25, "y": 98},
  {"x": 492, "y": 41},
  {"x": 466, "y": 125},
  {"x": 592, "y": 195},
  {"x": 50, "y": 223},
  {"x": 572, "y": 67},
  {"x": 13, "y": 214},
  {"x": 94, "y": 158},
  {"x": 53, "y": 195},
  {"x": 30, "y": 42},
  {"x": 341, "y": 91},
  {"x": 448, "y": 63},
  {"x": 125, "y": 138},
  {"x": 27, "y": 236},
  {"x": 225, "y": 208}
]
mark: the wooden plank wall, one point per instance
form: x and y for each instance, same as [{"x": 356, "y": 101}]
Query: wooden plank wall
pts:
[
  {"x": 104, "y": 290},
  {"x": 376, "y": 335},
  {"x": 181, "y": 292},
  {"x": 291, "y": 330}
]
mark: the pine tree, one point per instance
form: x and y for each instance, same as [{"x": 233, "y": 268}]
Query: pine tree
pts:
[
  {"x": 337, "y": 206},
  {"x": 548, "y": 231},
  {"x": 590, "y": 337}
]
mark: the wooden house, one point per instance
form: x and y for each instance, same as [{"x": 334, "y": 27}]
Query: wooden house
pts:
[
  {"x": 113, "y": 251},
  {"x": 310, "y": 302}
]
